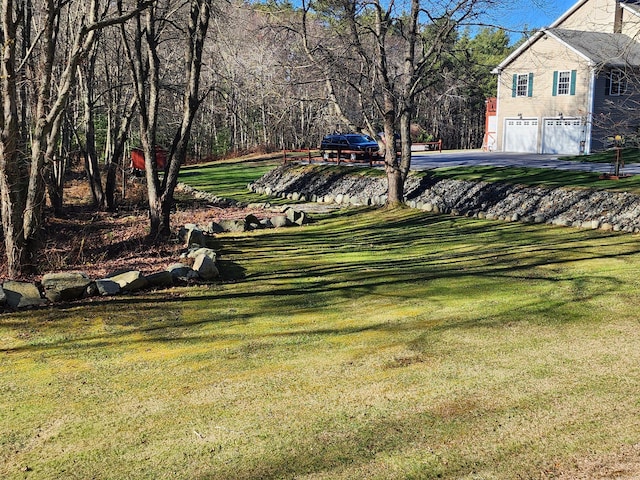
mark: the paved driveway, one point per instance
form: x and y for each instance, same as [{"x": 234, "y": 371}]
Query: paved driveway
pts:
[{"x": 466, "y": 158}]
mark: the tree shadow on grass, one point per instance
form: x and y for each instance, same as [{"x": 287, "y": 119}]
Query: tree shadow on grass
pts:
[{"x": 328, "y": 266}]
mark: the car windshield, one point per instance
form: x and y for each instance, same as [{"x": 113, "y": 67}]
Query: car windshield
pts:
[{"x": 361, "y": 139}]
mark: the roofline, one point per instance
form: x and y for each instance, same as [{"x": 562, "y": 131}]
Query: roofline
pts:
[
  {"x": 574, "y": 50},
  {"x": 566, "y": 14},
  {"x": 629, "y": 9},
  {"x": 530, "y": 41},
  {"x": 535, "y": 37}
]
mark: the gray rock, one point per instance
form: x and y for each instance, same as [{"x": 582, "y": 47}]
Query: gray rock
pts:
[
  {"x": 194, "y": 253},
  {"x": 161, "y": 279},
  {"x": 292, "y": 215},
  {"x": 213, "y": 227},
  {"x": 181, "y": 272},
  {"x": 280, "y": 221},
  {"x": 22, "y": 294},
  {"x": 252, "y": 221},
  {"x": 3, "y": 296},
  {"x": 107, "y": 287},
  {"x": 130, "y": 281},
  {"x": 205, "y": 267},
  {"x": 64, "y": 286},
  {"x": 230, "y": 225},
  {"x": 194, "y": 236}
]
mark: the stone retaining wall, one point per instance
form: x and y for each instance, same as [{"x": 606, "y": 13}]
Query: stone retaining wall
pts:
[{"x": 583, "y": 208}]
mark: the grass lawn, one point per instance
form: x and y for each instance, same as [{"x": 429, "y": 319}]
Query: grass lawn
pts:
[
  {"x": 539, "y": 177},
  {"x": 370, "y": 344},
  {"x": 628, "y": 155}
]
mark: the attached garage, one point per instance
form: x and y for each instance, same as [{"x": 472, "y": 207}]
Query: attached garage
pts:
[
  {"x": 521, "y": 135},
  {"x": 562, "y": 136}
]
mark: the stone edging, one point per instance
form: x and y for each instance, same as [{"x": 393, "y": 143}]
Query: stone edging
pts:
[
  {"x": 594, "y": 209},
  {"x": 198, "y": 263}
]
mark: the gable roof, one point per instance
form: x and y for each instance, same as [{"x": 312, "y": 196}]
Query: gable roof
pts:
[
  {"x": 535, "y": 37},
  {"x": 600, "y": 49},
  {"x": 606, "y": 57}
]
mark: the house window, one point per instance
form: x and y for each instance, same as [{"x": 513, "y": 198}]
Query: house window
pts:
[
  {"x": 522, "y": 85},
  {"x": 564, "y": 82},
  {"x": 616, "y": 83}
]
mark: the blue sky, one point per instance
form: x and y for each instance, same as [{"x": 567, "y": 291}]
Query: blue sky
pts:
[{"x": 532, "y": 14}]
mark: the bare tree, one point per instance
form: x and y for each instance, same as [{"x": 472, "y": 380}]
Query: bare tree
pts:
[
  {"x": 143, "y": 46},
  {"x": 23, "y": 174}
]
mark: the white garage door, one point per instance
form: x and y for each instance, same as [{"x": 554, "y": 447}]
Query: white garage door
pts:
[
  {"x": 562, "y": 136},
  {"x": 521, "y": 135}
]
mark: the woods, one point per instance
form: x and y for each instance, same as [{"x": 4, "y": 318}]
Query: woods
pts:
[{"x": 91, "y": 80}]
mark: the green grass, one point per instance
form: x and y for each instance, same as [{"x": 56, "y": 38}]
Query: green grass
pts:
[
  {"x": 228, "y": 179},
  {"x": 628, "y": 155},
  {"x": 371, "y": 344},
  {"x": 539, "y": 177}
]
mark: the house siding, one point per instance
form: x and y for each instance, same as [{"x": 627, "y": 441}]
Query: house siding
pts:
[
  {"x": 631, "y": 24},
  {"x": 592, "y": 16},
  {"x": 542, "y": 59},
  {"x": 610, "y": 116}
]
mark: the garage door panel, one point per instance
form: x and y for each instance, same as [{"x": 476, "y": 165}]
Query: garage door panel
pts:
[
  {"x": 521, "y": 135},
  {"x": 562, "y": 136}
]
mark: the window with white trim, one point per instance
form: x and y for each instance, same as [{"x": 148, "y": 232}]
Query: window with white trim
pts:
[
  {"x": 564, "y": 83},
  {"x": 522, "y": 85},
  {"x": 616, "y": 82}
]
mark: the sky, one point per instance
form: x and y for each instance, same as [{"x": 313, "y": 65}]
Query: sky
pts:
[{"x": 533, "y": 14}]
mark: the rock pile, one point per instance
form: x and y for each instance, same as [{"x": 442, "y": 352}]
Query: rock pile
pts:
[
  {"x": 198, "y": 263},
  {"x": 617, "y": 211}
]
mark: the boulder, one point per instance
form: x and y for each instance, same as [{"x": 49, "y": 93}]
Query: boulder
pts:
[
  {"x": 214, "y": 227},
  {"x": 22, "y": 294},
  {"x": 233, "y": 225},
  {"x": 280, "y": 221},
  {"x": 296, "y": 217},
  {"x": 205, "y": 267},
  {"x": 3, "y": 297},
  {"x": 196, "y": 252},
  {"x": 107, "y": 287},
  {"x": 253, "y": 222},
  {"x": 130, "y": 281},
  {"x": 181, "y": 272},
  {"x": 194, "y": 236},
  {"x": 161, "y": 279},
  {"x": 64, "y": 286}
]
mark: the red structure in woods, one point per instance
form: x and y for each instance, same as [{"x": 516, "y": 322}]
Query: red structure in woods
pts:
[{"x": 137, "y": 158}]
